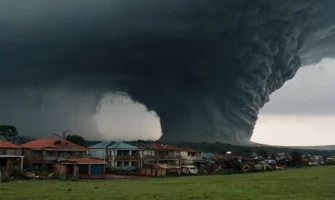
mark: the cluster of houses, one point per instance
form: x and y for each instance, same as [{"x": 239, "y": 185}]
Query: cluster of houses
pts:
[{"x": 61, "y": 157}]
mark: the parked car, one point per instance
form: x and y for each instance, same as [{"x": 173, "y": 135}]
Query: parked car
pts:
[{"x": 191, "y": 169}]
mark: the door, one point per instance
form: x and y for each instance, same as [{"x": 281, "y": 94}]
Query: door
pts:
[{"x": 97, "y": 169}]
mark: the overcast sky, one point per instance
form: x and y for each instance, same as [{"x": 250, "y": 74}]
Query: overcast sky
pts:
[{"x": 302, "y": 112}]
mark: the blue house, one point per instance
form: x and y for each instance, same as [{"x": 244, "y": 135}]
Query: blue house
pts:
[
  {"x": 118, "y": 155},
  {"x": 99, "y": 150}
]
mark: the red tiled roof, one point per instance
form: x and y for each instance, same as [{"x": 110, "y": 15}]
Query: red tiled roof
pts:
[
  {"x": 53, "y": 144},
  {"x": 190, "y": 150},
  {"x": 8, "y": 145},
  {"x": 86, "y": 160},
  {"x": 160, "y": 146}
]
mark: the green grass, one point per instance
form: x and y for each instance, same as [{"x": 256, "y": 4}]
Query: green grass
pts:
[{"x": 311, "y": 183}]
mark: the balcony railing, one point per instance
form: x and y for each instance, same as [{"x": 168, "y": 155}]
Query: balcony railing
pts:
[
  {"x": 123, "y": 157},
  {"x": 35, "y": 158},
  {"x": 127, "y": 158},
  {"x": 148, "y": 157},
  {"x": 71, "y": 157},
  {"x": 191, "y": 157},
  {"x": 168, "y": 157},
  {"x": 49, "y": 158}
]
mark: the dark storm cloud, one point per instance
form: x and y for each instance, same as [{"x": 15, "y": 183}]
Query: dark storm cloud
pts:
[{"x": 205, "y": 67}]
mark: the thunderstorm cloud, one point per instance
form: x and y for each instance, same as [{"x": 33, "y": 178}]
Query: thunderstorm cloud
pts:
[{"x": 205, "y": 67}]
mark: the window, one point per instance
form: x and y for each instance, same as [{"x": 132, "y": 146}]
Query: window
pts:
[
  {"x": 60, "y": 154},
  {"x": 48, "y": 153},
  {"x": 191, "y": 154},
  {"x": 134, "y": 153},
  {"x": 78, "y": 154},
  {"x": 126, "y": 163},
  {"x": 36, "y": 153},
  {"x": 149, "y": 153},
  {"x": 122, "y": 153},
  {"x": 3, "y": 151},
  {"x": 118, "y": 164},
  {"x": 133, "y": 164}
]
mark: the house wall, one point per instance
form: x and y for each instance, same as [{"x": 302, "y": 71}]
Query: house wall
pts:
[
  {"x": 97, "y": 153},
  {"x": 125, "y": 159},
  {"x": 148, "y": 152},
  {"x": 164, "y": 154},
  {"x": 60, "y": 169},
  {"x": 188, "y": 158},
  {"x": 125, "y": 164},
  {"x": 83, "y": 169}
]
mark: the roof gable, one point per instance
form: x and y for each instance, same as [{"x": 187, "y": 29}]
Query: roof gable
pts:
[{"x": 122, "y": 145}]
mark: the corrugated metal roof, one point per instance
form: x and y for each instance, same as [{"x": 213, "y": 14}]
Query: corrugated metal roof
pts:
[
  {"x": 101, "y": 145},
  {"x": 207, "y": 155},
  {"x": 122, "y": 145}
]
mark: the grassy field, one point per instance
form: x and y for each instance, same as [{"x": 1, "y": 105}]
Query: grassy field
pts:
[{"x": 311, "y": 183}]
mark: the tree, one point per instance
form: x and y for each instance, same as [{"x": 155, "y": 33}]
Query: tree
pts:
[
  {"x": 76, "y": 139},
  {"x": 9, "y": 133},
  {"x": 63, "y": 135},
  {"x": 296, "y": 157}
]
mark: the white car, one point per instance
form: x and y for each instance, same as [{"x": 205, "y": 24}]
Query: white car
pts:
[{"x": 191, "y": 168}]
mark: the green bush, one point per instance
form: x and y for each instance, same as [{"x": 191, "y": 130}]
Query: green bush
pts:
[
  {"x": 74, "y": 178},
  {"x": 62, "y": 178},
  {"x": 5, "y": 179}
]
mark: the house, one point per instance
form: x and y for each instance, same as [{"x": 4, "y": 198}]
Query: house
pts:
[
  {"x": 81, "y": 167},
  {"x": 99, "y": 150},
  {"x": 43, "y": 152},
  {"x": 124, "y": 156},
  {"x": 330, "y": 160},
  {"x": 305, "y": 162},
  {"x": 147, "y": 152},
  {"x": 189, "y": 156},
  {"x": 10, "y": 157},
  {"x": 166, "y": 154},
  {"x": 159, "y": 170}
]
